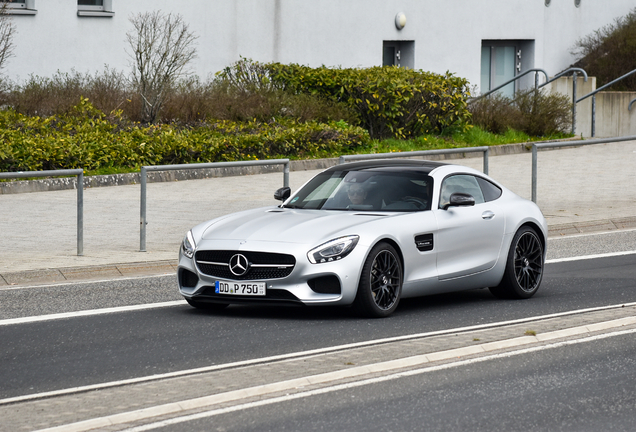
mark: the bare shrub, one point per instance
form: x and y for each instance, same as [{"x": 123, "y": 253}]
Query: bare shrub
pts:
[
  {"x": 161, "y": 48},
  {"x": 495, "y": 113},
  {"x": 59, "y": 94},
  {"x": 535, "y": 112},
  {"x": 543, "y": 114},
  {"x": 108, "y": 90}
]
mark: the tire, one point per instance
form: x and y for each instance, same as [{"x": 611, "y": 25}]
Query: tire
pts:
[
  {"x": 524, "y": 266},
  {"x": 380, "y": 285},
  {"x": 206, "y": 306}
]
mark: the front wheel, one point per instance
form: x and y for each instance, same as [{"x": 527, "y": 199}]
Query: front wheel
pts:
[
  {"x": 524, "y": 266},
  {"x": 380, "y": 284}
]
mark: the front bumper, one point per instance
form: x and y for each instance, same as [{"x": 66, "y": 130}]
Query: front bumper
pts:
[{"x": 331, "y": 283}]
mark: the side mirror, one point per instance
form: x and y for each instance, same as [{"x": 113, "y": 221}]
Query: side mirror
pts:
[
  {"x": 282, "y": 194},
  {"x": 459, "y": 199}
]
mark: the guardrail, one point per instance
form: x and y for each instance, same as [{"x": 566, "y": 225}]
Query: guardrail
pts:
[
  {"x": 155, "y": 168},
  {"x": 538, "y": 145},
  {"x": 80, "y": 195},
  {"x": 485, "y": 150}
]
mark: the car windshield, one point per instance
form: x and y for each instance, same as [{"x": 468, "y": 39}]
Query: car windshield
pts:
[{"x": 368, "y": 190}]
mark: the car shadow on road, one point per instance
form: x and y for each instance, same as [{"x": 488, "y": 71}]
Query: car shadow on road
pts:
[{"x": 410, "y": 306}]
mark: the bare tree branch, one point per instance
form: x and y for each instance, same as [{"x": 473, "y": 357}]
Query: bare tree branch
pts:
[
  {"x": 7, "y": 32},
  {"x": 161, "y": 48}
]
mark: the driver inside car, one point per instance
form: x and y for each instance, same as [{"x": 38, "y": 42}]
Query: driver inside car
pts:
[{"x": 357, "y": 194}]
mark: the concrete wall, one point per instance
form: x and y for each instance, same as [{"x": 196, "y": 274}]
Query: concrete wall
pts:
[
  {"x": 447, "y": 35},
  {"x": 612, "y": 115}
]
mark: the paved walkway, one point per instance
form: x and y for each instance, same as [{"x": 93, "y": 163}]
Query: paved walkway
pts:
[{"x": 591, "y": 188}]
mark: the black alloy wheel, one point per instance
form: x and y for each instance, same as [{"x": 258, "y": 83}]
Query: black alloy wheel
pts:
[
  {"x": 380, "y": 283},
  {"x": 528, "y": 262},
  {"x": 524, "y": 266}
]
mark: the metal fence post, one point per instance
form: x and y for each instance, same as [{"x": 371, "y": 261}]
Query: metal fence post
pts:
[
  {"x": 143, "y": 175},
  {"x": 573, "y": 103},
  {"x": 79, "y": 172},
  {"x": 142, "y": 228},
  {"x": 593, "y": 116},
  {"x": 80, "y": 214},
  {"x": 534, "y": 173},
  {"x": 286, "y": 174},
  {"x": 486, "y": 153}
]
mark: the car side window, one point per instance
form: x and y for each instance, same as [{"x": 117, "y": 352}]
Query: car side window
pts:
[
  {"x": 490, "y": 190},
  {"x": 463, "y": 183}
]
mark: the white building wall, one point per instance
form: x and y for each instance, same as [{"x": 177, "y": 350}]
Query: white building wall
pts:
[{"x": 346, "y": 33}]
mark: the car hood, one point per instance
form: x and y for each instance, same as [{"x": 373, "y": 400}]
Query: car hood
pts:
[{"x": 275, "y": 224}]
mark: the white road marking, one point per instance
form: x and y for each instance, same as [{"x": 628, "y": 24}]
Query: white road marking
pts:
[
  {"x": 377, "y": 380},
  {"x": 299, "y": 354},
  {"x": 382, "y": 367},
  {"x": 586, "y": 257},
  {"x": 91, "y": 312}
]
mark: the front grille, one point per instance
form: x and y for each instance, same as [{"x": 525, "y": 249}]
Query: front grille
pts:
[{"x": 262, "y": 265}]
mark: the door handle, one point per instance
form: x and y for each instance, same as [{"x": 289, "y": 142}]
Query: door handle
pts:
[{"x": 487, "y": 215}]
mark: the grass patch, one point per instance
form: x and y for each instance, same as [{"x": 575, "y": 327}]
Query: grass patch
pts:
[{"x": 474, "y": 137}]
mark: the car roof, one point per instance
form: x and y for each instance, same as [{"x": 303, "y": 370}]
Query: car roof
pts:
[{"x": 424, "y": 166}]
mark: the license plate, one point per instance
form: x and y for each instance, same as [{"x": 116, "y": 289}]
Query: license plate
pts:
[{"x": 240, "y": 288}]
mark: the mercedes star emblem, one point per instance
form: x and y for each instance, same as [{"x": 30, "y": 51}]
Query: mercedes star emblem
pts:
[{"x": 239, "y": 265}]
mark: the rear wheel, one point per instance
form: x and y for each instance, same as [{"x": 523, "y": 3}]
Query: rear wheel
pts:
[
  {"x": 206, "y": 306},
  {"x": 524, "y": 266},
  {"x": 380, "y": 284}
]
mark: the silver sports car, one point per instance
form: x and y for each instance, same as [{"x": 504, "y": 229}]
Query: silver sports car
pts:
[{"x": 367, "y": 234}]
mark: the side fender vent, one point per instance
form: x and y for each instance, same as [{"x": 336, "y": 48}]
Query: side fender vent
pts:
[{"x": 424, "y": 242}]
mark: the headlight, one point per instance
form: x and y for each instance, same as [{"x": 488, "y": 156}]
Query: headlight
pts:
[
  {"x": 333, "y": 250},
  {"x": 188, "y": 245}
]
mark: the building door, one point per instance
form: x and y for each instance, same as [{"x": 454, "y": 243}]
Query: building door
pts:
[{"x": 499, "y": 63}]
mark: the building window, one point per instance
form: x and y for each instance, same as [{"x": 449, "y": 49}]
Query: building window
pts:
[
  {"x": 90, "y": 5},
  {"x": 95, "y": 8},
  {"x": 19, "y": 7},
  {"x": 398, "y": 53}
]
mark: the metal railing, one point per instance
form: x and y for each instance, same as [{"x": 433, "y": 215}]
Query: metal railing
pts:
[
  {"x": 629, "y": 108},
  {"x": 593, "y": 95},
  {"x": 536, "y": 82},
  {"x": 538, "y": 145},
  {"x": 485, "y": 150},
  {"x": 574, "y": 73},
  {"x": 80, "y": 195},
  {"x": 548, "y": 81},
  {"x": 155, "y": 168}
]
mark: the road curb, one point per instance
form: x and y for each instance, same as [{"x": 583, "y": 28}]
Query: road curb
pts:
[{"x": 77, "y": 274}]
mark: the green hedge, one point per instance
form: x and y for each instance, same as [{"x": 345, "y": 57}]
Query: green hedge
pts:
[
  {"x": 87, "y": 138},
  {"x": 390, "y": 101}
]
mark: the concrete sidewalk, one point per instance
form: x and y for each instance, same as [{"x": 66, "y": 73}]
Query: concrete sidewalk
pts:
[{"x": 584, "y": 189}]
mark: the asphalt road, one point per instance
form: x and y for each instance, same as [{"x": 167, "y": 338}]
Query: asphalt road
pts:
[
  {"x": 84, "y": 350},
  {"x": 583, "y": 387}
]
